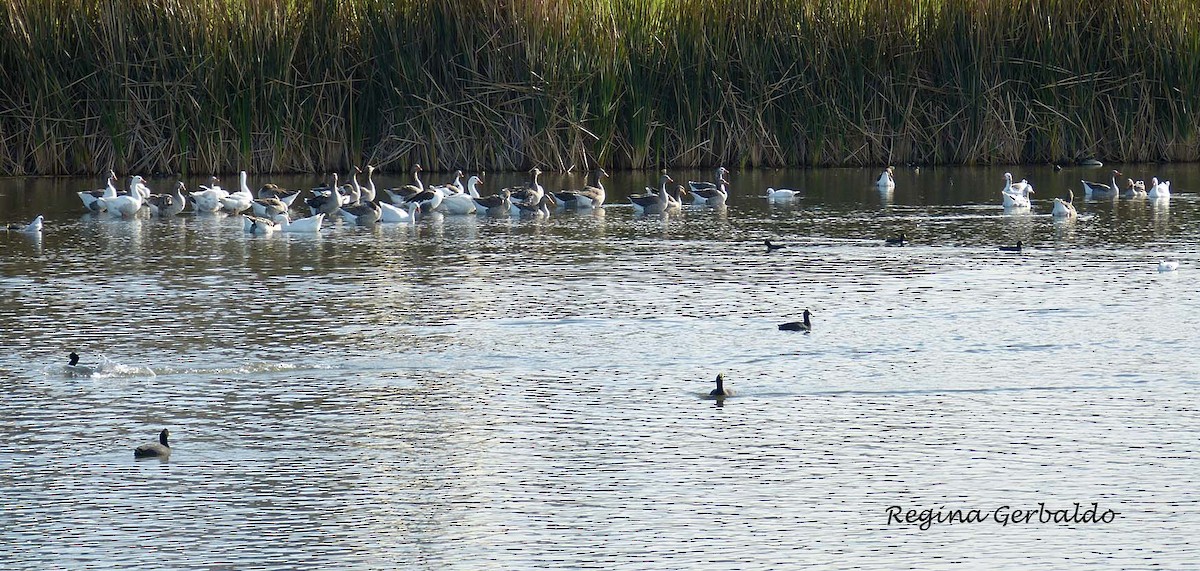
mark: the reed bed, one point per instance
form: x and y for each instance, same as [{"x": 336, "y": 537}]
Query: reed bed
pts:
[{"x": 203, "y": 86}]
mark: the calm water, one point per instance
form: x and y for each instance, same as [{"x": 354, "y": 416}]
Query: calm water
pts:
[{"x": 472, "y": 392}]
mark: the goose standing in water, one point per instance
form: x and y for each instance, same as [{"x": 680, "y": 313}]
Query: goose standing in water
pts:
[
  {"x": 592, "y": 195},
  {"x": 1065, "y": 208},
  {"x": 1101, "y": 190},
  {"x": 805, "y": 325},
  {"x": 160, "y": 449},
  {"x": 887, "y": 180}
]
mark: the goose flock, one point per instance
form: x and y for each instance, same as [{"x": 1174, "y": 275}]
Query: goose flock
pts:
[{"x": 1015, "y": 195}]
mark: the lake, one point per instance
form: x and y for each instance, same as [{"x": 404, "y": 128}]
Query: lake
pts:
[{"x": 473, "y": 392}]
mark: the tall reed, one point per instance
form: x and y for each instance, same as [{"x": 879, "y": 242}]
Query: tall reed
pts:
[{"x": 317, "y": 85}]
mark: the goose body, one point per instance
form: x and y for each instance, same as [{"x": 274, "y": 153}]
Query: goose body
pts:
[
  {"x": 274, "y": 191},
  {"x": 325, "y": 200},
  {"x": 1015, "y": 194},
  {"x": 239, "y": 200},
  {"x": 364, "y": 214},
  {"x": 258, "y": 226},
  {"x": 1064, "y": 208},
  {"x": 1159, "y": 190},
  {"x": 805, "y": 325},
  {"x": 655, "y": 201},
  {"x": 390, "y": 214},
  {"x": 127, "y": 205},
  {"x": 310, "y": 225},
  {"x": 168, "y": 205},
  {"x": 591, "y": 196},
  {"x": 268, "y": 207},
  {"x": 887, "y": 179},
  {"x": 1101, "y": 190},
  {"x": 531, "y": 193},
  {"x": 780, "y": 195},
  {"x": 710, "y": 193},
  {"x": 1134, "y": 189},
  {"x": 90, "y": 198},
  {"x": 208, "y": 199},
  {"x": 160, "y": 449},
  {"x": 494, "y": 205},
  {"x": 462, "y": 203}
]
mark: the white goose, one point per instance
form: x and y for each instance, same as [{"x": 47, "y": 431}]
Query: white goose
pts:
[
  {"x": 239, "y": 200},
  {"x": 1159, "y": 190},
  {"x": 887, "y": 180},
  {"x": 1015, "y": 194},
  {"x": 781, "y": 195},
  {"x": 310, "y": 225},
  {"x": 208, "y": 199},
  {"x": 90, "y": 197},
  {"x": 461, "y": 203},
  {"x": 1064, "y": 208},
  {"x": 127, "y": 205},
  {"x": 389, "y": 214}
]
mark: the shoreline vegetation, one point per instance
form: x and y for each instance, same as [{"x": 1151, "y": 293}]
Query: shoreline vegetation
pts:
[{"x": 217, "y": 86}]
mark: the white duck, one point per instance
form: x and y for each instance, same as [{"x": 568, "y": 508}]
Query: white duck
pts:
[
  {"x": 209, "y": 198},
  {"x": 1159, "y": 190},
  {"x": 887, "y": 180},
  {"x": 310, "y": 225},
  {"x": 1016, "y": 194}
]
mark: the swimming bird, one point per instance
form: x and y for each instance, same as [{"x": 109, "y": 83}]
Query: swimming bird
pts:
[
  {"x": 325, "y": 200},
  {"x": 128, "y": 205},
  {"x": 592, "y": 195},
  {"x": 772, "y": 247},
  {"x": 710, "y": 193},
  {"x": 1134, "y": 189},
  {"x": 1101, "y": 190},
  {"x": 158, "y": 449},
  {"x": 805, "y": 325},
  {"x": 268, "y": 207},
  {"x": 777, "y": 195},
  {"x": 531, "y": 193},
  {"x": 1159, "y": 190},
  {"x": 168, "y": 205},
  {"x": 720, "y": 391},
  {"x": 462, "y": 202},
  {"x": 310, "y": 225},
  {"x": 364, "y": 214},
  {"x": 259, "y": 226},
  {"x": 400, "y": 195},
  {"x": 77, "y": 370},
  {"x": 1168, "y": 265},
  {"x": 239, "y": 200},
  {"x": 495, "y": 204},
  {"x": 89, "y": 197},
  {"x": 208, "y": 199},
  {"x": 34, "y": 227},
  {"x": 887, "y": 180},
  {"x": 1064, "y": 208},
  {"x": 389, "y": 214},
  {"x": 1016, "y": 194},
  {"x": 274, "y": 191},
  {"x": 897, "y": 240},
  {"x": 655, "y": 201},
  {"x": 1016, "y": 248}
]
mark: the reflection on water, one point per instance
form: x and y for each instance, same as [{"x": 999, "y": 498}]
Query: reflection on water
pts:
[{"x": 498, "y": 392}]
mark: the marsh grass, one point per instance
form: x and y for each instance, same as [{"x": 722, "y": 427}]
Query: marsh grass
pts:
[{"x": 317, "y": 85}]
